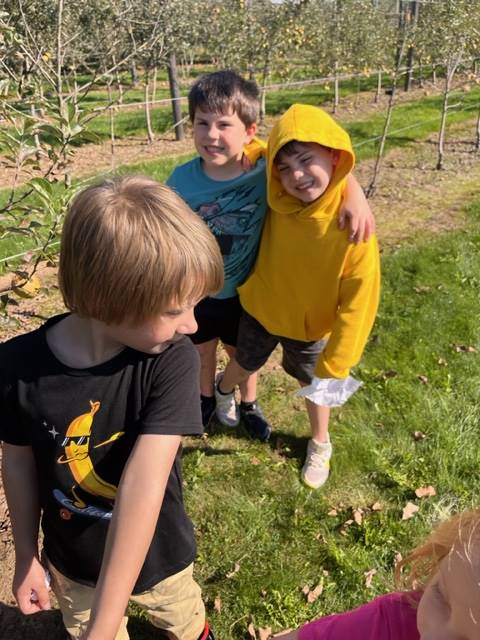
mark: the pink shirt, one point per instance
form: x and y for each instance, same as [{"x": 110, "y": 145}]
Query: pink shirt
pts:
[{"x": 389, "y": 617}]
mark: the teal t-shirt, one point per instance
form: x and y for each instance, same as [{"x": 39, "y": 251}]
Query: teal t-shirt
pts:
[{"x": 234, "y": 210}]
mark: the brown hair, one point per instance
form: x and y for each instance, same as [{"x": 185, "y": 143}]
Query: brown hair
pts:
[
  {"x": 223, "y": 90},
  {"x": 461, "y": 530},
  {"x": 131, "y": 248},
  {"x": 293, "y": 147}
]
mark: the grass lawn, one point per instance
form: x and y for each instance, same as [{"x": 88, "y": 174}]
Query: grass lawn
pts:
[{"x": 262, "y": 536}]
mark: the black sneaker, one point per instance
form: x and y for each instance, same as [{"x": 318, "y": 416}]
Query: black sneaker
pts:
[
  {"x": 254, "y": 421},
  {"x": 208, "y": 405}
]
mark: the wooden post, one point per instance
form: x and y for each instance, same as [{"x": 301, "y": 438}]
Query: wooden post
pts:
[{"x": 175, "y": 95}]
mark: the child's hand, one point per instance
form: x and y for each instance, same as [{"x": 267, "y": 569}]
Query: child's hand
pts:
[
  {"x": 356, "y": 212},
  {"x": 362, "y": 224},
  {"x": 30, "y": 587}
]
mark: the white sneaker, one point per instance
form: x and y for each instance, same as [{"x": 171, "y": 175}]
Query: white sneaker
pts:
[
  {"x": 317, "y": 464},
  {"x": 227, "y": 410}
]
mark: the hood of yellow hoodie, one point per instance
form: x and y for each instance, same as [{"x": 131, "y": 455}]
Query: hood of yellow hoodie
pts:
[{"x": 308, "y": 124}]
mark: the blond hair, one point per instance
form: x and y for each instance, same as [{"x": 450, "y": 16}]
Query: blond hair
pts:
[
  {"x": 131, "y": 248},
  {"x": 461, "y": 532}
]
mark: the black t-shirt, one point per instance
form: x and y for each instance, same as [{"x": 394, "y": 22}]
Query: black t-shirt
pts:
[{"x": 82, "y": 425}]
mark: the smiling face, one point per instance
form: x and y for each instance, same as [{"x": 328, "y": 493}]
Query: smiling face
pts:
[
  {"x": 305, "y": 169},
  {"x": 450, "y": 606},
  {"x": 155, "y": 334},
  {"x": 219, "y": 140}
]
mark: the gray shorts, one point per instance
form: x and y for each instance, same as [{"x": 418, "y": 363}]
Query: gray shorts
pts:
[{"x": 255, "y": 345}]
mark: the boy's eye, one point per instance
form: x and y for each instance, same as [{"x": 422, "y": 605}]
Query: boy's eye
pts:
[
  {"x": 305, "y": 159},
  {"x": 282, "y": 167}
]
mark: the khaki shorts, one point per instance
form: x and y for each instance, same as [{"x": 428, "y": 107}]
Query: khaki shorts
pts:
[{"x": 174, "y": 605}]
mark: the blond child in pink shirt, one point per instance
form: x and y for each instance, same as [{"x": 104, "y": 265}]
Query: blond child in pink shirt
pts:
[{"x": 443, "y": 603}]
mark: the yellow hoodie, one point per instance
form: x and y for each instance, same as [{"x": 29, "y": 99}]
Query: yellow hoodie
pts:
[{"x": 310, "y": 281}]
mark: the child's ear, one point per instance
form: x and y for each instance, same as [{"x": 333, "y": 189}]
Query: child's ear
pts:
[{"x": 251, "y": 131}]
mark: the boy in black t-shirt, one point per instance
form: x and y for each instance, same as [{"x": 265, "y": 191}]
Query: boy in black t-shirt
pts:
[{"x": 94, "y": 405}]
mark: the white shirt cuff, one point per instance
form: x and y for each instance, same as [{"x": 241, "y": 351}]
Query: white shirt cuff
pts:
[{"x": 330, "y": 392}]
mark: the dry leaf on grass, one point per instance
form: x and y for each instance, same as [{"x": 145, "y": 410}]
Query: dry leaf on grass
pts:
[
  {"x": 463, "y": 348},
  {"x": 397, "y": 558},
  {"x": 254, "y": 460},
  {"x": 423, "y": 379},
  {"x": 235, "y": 570},
  {"x": 425, "y": 492},
  {"x": 358, "y": 516},
  {"x": 217, "y": 604},
  {"x": 419, "y": 435},
  {"x": 409, "y": 510},
  {"x": 442, "y": 362},
  {"x": 332, "y": 513},
  {"x": 377, "y": 506},
  {"x": 251, "y": 631},
  {"x": 312, "y": 594},
  {"x": 264, "y": 633},
  {"x": 369, "y": 577}
]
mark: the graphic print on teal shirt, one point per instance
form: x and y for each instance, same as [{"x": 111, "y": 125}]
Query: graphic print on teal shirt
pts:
[{"x": 234, "y": 210}]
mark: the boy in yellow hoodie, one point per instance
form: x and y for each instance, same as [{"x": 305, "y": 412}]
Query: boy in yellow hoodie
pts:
[{"x": 312, "y": 289}]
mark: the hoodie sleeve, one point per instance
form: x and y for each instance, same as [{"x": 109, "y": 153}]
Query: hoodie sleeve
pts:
[{"x": 358, "y": 302}]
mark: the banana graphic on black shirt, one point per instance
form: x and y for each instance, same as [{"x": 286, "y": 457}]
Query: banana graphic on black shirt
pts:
[{"x": 76, "y": 443}]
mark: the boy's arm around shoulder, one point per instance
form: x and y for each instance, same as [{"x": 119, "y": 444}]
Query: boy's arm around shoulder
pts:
[
  {"x": 21, "y": 490},
  {"x": 356, "y": 210},
  {"x": 357, "y": 307},
  {"x": 137, "y": 507}
]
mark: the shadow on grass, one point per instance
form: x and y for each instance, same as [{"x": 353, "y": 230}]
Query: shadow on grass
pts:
[{"x": 46, "y": 625}]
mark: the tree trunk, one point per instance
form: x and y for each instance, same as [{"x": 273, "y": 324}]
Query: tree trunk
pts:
[
  {"x": 154, "y": 84},
  {"x": 175, "y": 95},
  {"x": 336, "y": 98},
  {"x": 111, "y": 112},
  {"x": 370, "y": 191},
  {"x": 477, "y": 141},
  {"x": 134, "y": 73},
  {"x": 148, "y": 121},
  {"x": 379, "y": 87},
  {"x": 412, "y": 16},
  {"x": 451, "y": 67}
]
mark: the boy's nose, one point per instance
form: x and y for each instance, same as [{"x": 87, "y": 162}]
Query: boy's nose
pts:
[
  {"x": 189, "y": 325},
  {"x": 297, "y": 173}
]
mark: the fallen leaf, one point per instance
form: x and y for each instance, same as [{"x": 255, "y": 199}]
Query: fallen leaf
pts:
[
  {"x": 409, "y": 510},
  {"x": 347, "y": 523},
  {"x": 425, "y": 492},
  {"x": 423, "y": 379},
  {"x": 251, "y": 630},
  {"x": 332, "y": 512},
  {"x": 217, "y": 605},
  {"x": 369, "y": 577},
  {"x": 397, "y": 558},
  {"x": 419, "y": 435},
  {"x": 389, "y": 374},
  {"x": 236, "y": 569},
  {"x": 264, "y": 633},
  {"x": 442, "y": 362},
  {"x": 421, "y": 289},
  {"x": 358, "y": 516},
  {"x": 377, "y": 506},
  {"x": 462, "y": 348},
  {"x": 254, "y": 460},
  {"x": 306, "y": 590},
  {"x": 315, "y": 593}
]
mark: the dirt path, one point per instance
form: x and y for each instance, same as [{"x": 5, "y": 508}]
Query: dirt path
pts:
[{"x": 413, "y": 201}]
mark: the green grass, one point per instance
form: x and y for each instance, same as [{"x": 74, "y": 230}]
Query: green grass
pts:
[{"x": 262, "y": 536}]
